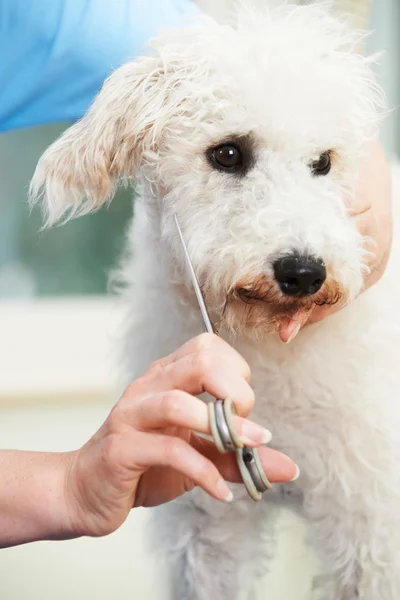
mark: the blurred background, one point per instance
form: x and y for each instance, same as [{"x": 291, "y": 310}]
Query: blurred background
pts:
[{"x": 57, "y": 327}]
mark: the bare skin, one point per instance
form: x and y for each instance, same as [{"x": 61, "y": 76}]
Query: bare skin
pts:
[{"x": 146, "y": 453}]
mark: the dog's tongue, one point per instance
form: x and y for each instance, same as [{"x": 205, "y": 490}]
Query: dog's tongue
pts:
[{"x": 290, "y": 328}]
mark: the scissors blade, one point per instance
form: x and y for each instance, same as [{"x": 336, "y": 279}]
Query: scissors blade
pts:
[{"x": 199, "y": 295}]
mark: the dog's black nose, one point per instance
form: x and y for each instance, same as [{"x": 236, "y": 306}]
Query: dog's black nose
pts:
[{"x": 299, "y": 275}]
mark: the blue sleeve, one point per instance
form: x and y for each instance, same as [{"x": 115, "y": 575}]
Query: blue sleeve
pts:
[{"x": 55, "y": 54}]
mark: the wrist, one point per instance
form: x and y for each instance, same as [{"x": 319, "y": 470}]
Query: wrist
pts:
[
  {"x": 33, "y": 498},
  {"x": 50, "y": 498},
  {"x": 63, "y": 522},
  {"x": 76, "y": 515}
]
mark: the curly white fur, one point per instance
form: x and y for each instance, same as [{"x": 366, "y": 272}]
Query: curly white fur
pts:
[{"x": 287, "y": 78}]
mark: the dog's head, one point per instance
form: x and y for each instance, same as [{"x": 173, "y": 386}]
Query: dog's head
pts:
[{"x": 252, "y": 135}]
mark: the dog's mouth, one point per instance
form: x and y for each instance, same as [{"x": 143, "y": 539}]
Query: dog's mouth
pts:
[{"x": 261, "y": 307}]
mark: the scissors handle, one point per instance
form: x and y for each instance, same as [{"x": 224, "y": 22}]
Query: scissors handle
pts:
[
  {"x": 226, "y": 439},
  {"x": 221, "y": 425},
  {"x": 252, "y": 472}
]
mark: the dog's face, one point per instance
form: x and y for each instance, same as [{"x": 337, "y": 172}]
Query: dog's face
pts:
[{"x": 252, "y": 136}]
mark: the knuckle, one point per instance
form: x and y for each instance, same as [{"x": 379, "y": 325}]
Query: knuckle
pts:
[
  {"x": 252, "y": 396},
  {"x": 172, "y": 450},
  {"x": 155, "y": 369},
  {"x": 132, "y": 390},
  {"x": 246, "y": 371},
  {"x": 251, "y": 399},
  {"x": 129, "y": 392},
  {"x": 210, "y": 347},
  {"x": 206, "y": 341},
  {"x": 170, "y": 404},
  {"x": 202, "y": 363},
  {"x": 244, "y": 402}
]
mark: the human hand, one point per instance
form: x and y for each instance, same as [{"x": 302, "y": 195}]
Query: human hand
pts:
[
  {"x": 146, "y": 453},
  {"x": 372, "y": 210}
]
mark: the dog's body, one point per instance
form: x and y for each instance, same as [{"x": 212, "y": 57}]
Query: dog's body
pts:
[
  {"x": 287, "y": 109},
  {"x": 330, "y": 399}
]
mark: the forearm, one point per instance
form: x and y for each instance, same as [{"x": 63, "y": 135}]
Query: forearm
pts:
[{"x": 32, "y": 497}]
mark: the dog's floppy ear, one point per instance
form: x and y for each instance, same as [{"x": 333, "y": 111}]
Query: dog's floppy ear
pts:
[{"x": 81, "y": 170}]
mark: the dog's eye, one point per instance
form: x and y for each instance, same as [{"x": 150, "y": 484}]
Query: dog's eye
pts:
[
  {"x": 322, "y": 166},
  {"x": 235, "y": 155},
  {"x": 227, "y": 157}
]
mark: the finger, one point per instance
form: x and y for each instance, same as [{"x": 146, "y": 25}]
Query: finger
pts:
[
  {"x": 373, "y": 192},
  {"x": 180, "y": 409},
  {"x": 207, "y": 370},
  {"x": 213, "y": 343},
  {"x": 278, "y": 467},
  {"x": 153, "y": 449},
  {"x": 378, "y": 241},
  {"x": 371, "y": 207},
  {"x": 321, "y": 312}
]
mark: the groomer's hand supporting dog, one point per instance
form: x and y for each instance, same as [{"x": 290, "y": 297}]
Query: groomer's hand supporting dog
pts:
[
  {"x": 371, "y": 208},
  {"x": 146, "y": 453}
]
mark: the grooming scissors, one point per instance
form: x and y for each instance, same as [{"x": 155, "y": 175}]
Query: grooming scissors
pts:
[{"x": 221, "y": 411}]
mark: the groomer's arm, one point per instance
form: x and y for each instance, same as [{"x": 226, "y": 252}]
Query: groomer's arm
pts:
[
  {"x": 55, "y": 54},
  {"x": 146, "y": 452}
]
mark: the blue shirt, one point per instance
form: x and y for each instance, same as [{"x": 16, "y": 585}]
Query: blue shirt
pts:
[{"x": 55, "y": 54}]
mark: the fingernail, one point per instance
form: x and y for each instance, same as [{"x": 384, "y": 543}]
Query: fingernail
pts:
[
  {"x": 294, "y": 333},
  {"x": 296, "y": 475},
  {"x": 253, "y": 433},
  {"x": 223, "y": 491}
]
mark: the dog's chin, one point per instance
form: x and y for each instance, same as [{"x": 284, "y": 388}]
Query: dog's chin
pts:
[{"x": 263, "y": 310}]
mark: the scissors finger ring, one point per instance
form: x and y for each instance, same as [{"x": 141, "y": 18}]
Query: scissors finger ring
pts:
[
  {"x": 221, "y": 425},
  {"x": 226, "y": 439}
]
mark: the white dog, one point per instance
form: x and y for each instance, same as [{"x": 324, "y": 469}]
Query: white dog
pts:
[{"x": 253, "y": 135}]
